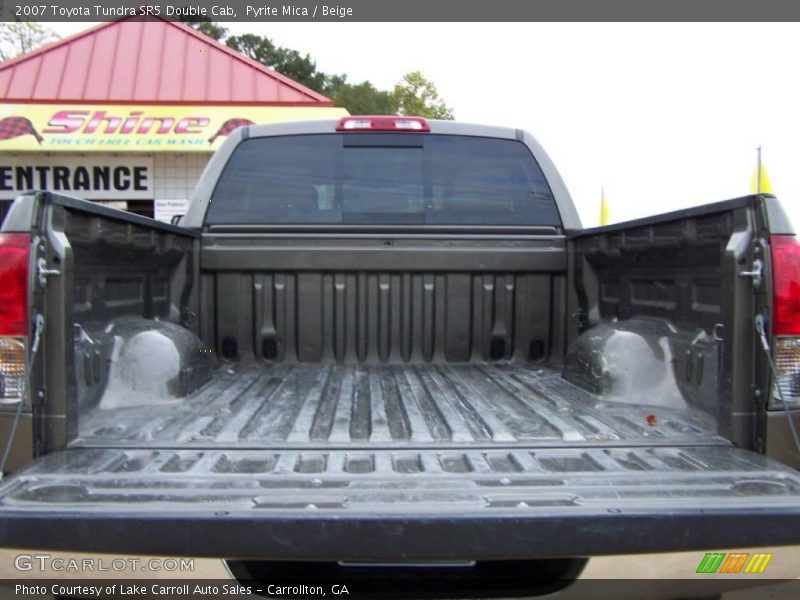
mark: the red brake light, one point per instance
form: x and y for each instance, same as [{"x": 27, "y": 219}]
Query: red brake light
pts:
[
  {"x": 14, "y": 251},
  {"x": 383, "y": 123},
  {"x": 786, "y": 284}
]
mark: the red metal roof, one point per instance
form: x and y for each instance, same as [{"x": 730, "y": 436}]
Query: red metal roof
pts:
[{"x": 152, "y": 61}]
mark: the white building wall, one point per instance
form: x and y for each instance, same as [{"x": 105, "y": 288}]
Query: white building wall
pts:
[
  {"x": 177, "y": 174},
  {"x": 173, "y": 175}
]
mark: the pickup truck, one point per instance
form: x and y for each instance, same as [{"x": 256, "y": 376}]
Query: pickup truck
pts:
[{"x": 388, "y": 342}]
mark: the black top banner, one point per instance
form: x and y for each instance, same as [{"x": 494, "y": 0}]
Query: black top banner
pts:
[{"x": 406, "y": 10}]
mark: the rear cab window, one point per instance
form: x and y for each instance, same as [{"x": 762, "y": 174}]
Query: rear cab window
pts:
[{"x": 382, "y": 179}]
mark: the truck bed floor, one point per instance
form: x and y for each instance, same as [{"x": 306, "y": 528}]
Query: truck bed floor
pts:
[{"x": 391, "y": 406}]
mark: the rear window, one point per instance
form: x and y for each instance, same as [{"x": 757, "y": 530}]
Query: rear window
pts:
[{"x": 382, "y": 179}]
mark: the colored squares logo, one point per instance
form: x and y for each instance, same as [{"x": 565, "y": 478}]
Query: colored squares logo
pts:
[{"x": 734, "y": 562}]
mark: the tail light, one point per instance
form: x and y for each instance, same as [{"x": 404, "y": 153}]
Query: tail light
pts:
[
  {"x": 786, "y": 319},
  {"x": 383, "y": 123},
  {"x": 14, "y": 256}
]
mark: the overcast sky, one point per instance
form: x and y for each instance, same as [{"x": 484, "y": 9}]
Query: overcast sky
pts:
[{"x": 663, "y": 115}]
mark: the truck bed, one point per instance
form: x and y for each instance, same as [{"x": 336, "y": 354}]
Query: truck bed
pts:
[
  {"x": 395, "y": 396},
  {"x": 371, "y": 463},
  {"x": 331, "y": 406}
]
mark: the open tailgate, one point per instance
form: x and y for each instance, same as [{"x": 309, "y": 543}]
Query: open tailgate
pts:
[{"x": 410, "y": 504}]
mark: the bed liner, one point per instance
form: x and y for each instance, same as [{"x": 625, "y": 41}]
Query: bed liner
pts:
[{"x": 393, "y": 406}]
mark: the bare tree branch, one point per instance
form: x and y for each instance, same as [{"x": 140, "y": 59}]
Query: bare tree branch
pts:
[{"x": 19, "y": 37}]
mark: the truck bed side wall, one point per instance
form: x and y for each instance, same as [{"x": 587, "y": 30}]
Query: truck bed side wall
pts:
[
  {"x": 112, "y": 265},
  {"x": 683, "y": 268}
]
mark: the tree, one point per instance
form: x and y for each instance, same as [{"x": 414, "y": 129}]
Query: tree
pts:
[
  {"x": 207, "y": 26},
  {"x": 332, "y": 84},
  {"x": 212, "y": 30},
  {"x": 414, "y": 95},
  {"x": 417, "y": 96},
  {"x": 284, "y": 60},
  {"x": 364, "y": 99},
  {"x": 19, "y": 37}
]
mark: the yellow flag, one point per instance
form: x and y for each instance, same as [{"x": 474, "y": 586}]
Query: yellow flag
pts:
[
  {"x": 762, "y": 184},
  {"x": 603, "y": 208}
]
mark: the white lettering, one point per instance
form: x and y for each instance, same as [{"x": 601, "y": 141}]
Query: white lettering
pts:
[
  {"x": 337, "y": 11},
  {"x": 294, "y": 11},
  {"x": 259, "y": 12},
  {"x": 186, "y": 11}
]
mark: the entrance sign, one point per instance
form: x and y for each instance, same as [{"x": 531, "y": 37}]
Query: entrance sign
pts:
[{"x": 94, "y": 177}]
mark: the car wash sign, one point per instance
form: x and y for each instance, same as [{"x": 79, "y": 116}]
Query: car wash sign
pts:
[
  {"x": 132, "y": 128},
  {"x": 92, "y": 177}
]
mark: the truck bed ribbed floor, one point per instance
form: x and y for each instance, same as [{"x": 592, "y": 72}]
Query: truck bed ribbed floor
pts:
[{"x": 392, "y": 406}]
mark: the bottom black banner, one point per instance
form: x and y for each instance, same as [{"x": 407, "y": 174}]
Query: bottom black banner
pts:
[{"x": 448, "y": 587}]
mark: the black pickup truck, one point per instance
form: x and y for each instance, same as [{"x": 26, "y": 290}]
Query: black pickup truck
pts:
[{"x": 389, "y": 341}]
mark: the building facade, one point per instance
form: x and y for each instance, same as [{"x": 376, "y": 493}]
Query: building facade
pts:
[{"x": 128, "y": 113}]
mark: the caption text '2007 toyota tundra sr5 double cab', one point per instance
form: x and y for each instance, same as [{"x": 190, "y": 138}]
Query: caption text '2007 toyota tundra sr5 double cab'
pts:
[{"x": 388, "y": 340}]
